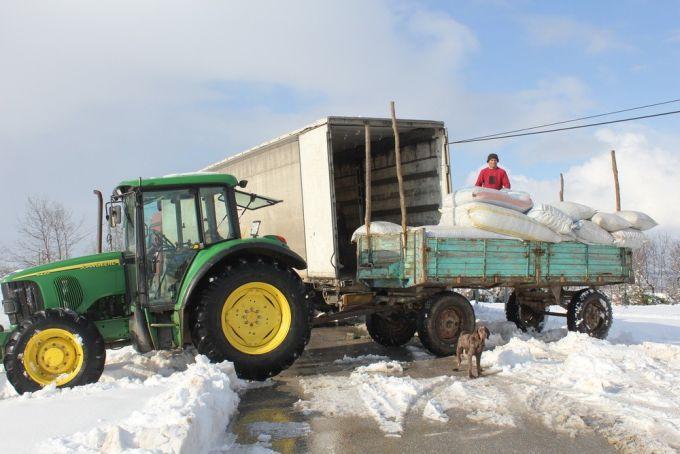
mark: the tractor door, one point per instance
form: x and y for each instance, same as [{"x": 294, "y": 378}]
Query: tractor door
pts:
[{"x": 171, "y": 240}]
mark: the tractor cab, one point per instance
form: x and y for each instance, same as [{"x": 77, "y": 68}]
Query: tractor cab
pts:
[{"x": 167, "y": 221}]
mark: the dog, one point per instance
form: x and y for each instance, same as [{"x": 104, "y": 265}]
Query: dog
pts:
[{"x": 472, "y": 344}]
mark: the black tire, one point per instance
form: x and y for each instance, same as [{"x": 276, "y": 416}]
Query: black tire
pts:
[
  {"x": 94, "y": 350},
  {"x": 590, "y": 312},
  {"x": 441, "y": 321},
  {"x": 391, "y": 330},
  {"x": 523, "y": 316},
  {"x": 210, "y": 340}
]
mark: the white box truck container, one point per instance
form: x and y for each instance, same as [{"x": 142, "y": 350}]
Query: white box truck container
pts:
[{"x": 318, "y": 171}]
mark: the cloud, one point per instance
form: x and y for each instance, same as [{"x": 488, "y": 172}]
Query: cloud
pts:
[
  {"x": 546, "y": 30},
  {"x": 648, "y": 179},
  {"x": 96, "y": 92}
]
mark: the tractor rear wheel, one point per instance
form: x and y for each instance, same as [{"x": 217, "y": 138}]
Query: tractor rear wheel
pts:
[
  {"x": 254, "y": 314},
  {"x": 54, "y": 346},
  {"x": 441, "y": 321},
  {"x": 391, "y": 330}
]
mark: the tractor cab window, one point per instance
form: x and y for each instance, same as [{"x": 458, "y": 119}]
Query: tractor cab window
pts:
[
  {"x": 171, "y": 238},
  {"x": 217, "y": 214}
]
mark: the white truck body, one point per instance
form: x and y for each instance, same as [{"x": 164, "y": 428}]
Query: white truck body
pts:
[{"x": 318, "y": 171}]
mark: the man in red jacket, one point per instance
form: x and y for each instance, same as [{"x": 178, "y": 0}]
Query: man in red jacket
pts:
[{"x": 493, "y": 176}]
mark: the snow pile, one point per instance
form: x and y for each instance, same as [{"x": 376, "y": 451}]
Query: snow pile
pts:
[
  {"x": 160, "y": 402},
  {"x": 189, "y": 416},
  {"x": 626, "y": 392}
]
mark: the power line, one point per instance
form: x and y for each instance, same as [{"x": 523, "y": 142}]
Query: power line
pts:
[
  {"x": 578, "y": 119},
  {"x": 481, "y": 139}
]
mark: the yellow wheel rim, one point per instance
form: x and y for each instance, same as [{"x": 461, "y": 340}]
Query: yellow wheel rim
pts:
[
  {"x": 53, "y": 355},
  {"x": 256, "y": 318}
]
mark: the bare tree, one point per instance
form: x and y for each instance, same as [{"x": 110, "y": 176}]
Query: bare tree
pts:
[{"x": 48, "y": 232}]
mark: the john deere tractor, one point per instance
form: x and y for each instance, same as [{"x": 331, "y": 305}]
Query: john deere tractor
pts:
[{"x": 185, "y": 276}]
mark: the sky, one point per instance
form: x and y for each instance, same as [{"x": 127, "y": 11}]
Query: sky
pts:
[{"x": 92, "y": 93}]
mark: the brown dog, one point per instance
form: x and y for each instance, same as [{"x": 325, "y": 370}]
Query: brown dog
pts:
[{"x": 472, "y": 344}]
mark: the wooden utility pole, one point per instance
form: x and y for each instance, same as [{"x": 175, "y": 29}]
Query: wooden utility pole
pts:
[
  {"x": 367, "y": 214},
  {"x": 400, "y": 178},
  {"x": 561, "y": 188},
  {"x": 617, "y": 190}
]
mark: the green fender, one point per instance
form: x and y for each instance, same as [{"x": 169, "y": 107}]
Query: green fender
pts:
[{"x": 209, "y": 257}]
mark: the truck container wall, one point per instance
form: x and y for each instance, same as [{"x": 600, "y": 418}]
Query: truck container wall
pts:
[{"x": 319, "y": 172}]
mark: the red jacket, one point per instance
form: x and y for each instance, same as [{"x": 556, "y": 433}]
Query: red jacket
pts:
[{"x": 493, "y": 178}]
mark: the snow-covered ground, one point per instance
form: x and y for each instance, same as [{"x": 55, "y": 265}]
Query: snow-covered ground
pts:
[
  {"x": 627, "y": 389},
  {"x": 159, "y": 402}
]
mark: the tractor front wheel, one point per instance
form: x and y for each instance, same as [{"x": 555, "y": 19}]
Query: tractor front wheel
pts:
[
  {"x": 254, "y": 314},
  {"x": 54, "y": 346}
]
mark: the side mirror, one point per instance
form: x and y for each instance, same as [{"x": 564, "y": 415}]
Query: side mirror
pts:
[
  {"x": 114, "y": 215},
  {"x": 255, "y": 228},
  {"x": 243, "y": 183}
]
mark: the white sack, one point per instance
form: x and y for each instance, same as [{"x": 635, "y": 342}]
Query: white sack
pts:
[
  {"x": 377, "y": 227},
  {"x": 514, "y": 200},
  {"x": 439, "y": 231},
  {"x": 631, "y": 238},
  {"x": 610, "y": 222},
  {"x": 461, "y": 217},
  {"x": 638, "y": 220},
  {"x": 588, "y": 232},
  {"x": 509, "y": 222},
  {"x": 575, "y": 211},
  {"x": 447, "y": 211},
  {"x": 552, "y": 218}
]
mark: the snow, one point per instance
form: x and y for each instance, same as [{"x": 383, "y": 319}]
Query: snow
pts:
[
  {"x": 625, "y": 389},
  {"x": 160, "y": 402},
  {"x": 360, "y": 359}
]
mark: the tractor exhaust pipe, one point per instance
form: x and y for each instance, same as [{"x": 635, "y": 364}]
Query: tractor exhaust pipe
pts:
[{"x": 100, "y": 215}]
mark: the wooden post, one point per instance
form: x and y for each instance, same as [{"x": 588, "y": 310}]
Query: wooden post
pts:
[
  {"x": 561, "y": 188},
  {"x": 616, "y": 181},
  {"x": 367, "y": 214},
  {"x": 400, "y": 178}
]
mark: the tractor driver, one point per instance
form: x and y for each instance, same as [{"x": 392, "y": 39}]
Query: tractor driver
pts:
[{"x": 493, "y": 176}]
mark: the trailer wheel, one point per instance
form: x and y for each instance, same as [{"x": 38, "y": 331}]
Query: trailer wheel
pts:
[
  {"x": 391, "y": 330},
  {"x": 441, "y": 321},
  {"x": 254, "y": 314},
  {"x": 590, "y": 312},
  {"x": 54, "y": 346},
  {"x": 523, "y": 316}
]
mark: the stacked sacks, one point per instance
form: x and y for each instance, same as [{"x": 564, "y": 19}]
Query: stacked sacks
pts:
[
  {"x": 625, "y": 227},
  {"x": 500, "y": 212},
  {"x": 509, "y": 222},
  {"x": 590, "y": 233}
]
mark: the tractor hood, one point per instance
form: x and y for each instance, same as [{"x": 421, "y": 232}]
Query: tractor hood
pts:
[{"x": 80, "y": 263}]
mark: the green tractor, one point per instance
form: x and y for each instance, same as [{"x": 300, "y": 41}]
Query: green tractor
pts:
[{"x": 185, "y": 276}]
